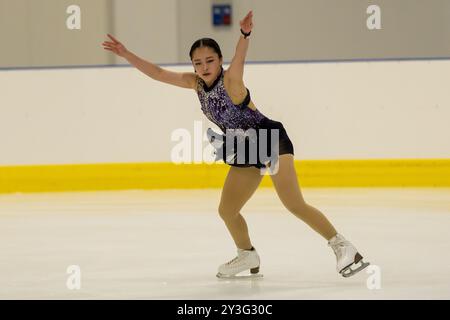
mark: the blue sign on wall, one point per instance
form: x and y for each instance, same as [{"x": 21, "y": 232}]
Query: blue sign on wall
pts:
[{"x": 221, "y": 15}]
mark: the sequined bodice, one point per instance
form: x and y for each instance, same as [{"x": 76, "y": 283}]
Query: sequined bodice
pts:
[{"x": 218, "y": 107}]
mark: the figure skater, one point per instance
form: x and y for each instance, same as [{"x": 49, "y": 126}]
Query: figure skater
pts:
[{"x": 226, "y": 101}]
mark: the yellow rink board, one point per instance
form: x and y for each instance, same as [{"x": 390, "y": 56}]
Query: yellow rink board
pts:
[{"x": 311, "y": 173}]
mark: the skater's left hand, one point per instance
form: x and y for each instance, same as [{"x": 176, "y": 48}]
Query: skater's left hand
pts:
[{"x": 247, "y": 23}]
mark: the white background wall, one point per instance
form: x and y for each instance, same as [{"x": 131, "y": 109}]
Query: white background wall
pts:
[
  {"x": 331, "y": 111},
  {"x": 34, "y": 33},
  {"x": 148, "y": 28},
  {"x": 323, "y": 29}
]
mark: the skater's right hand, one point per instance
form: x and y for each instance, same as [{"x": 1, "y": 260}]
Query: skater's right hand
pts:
[{"x": 115, "y": 46}]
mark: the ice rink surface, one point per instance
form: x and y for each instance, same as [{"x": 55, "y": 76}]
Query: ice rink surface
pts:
[{"x": 168, "y": 245}]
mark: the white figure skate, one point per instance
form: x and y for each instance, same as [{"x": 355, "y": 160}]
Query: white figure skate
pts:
[
  {"x": 349, "y": 261},
  {"x": 245, "y": 260}
]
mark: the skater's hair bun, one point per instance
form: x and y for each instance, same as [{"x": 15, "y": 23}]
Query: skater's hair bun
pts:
[{"x": 206, "y": 42}]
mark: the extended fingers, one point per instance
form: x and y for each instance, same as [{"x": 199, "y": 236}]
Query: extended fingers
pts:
[
  {"x": 248, "y": 18},
  {"x": 109, "y": 49},
  {"x": 113, "y": 39},
  {"x": 106, "y": 45}
]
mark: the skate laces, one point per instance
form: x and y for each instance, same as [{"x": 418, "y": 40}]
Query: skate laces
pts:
[
  {"x": 231, "y": 261},
  {"x": 339, "y": 247},
  {"x": 235, "y": 259}
]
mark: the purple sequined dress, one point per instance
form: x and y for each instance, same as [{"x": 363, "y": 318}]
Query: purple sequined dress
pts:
[
  {"x": 218, "y": 107},
  {"x": 216, "y": 104}
]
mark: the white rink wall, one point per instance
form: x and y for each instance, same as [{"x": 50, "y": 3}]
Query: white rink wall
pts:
[{"x": 351, "y": 110}]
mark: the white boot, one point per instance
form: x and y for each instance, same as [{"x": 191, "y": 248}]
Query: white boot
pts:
[
  {"x": 347, "y": 256},
  {"x": 245, "y": 260}
]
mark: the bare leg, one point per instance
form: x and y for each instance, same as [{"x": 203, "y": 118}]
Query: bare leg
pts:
[
  {"x": 239, "y": 186},
  {"x": 288, "y": 189}
]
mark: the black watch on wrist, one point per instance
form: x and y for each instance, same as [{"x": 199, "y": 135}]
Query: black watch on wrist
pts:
[{"x": 245, "y": 34}]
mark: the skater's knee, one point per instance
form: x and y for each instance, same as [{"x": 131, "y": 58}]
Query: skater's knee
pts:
[{"x": 227, "y": 213}]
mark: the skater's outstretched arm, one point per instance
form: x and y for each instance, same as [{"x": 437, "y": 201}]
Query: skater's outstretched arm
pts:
[
  {"x": 179, "y": 79},
  {"x": 236, "y": 69}
]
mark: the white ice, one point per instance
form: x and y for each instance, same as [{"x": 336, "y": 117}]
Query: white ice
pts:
[{"x": 168, "y": 245}]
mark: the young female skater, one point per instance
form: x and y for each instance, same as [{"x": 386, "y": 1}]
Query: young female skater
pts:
[{"x": 226, "y": 101}]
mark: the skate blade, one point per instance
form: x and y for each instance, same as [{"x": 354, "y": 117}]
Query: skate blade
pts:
[
  {"x": 348, "y": 271},
  {"x": 239, "y": 277},
  {"x": 254, "y": 274}
]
